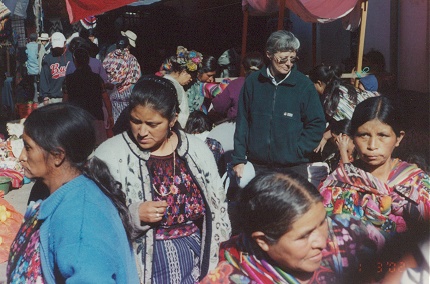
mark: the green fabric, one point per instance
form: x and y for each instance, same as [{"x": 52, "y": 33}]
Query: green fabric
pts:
[{"x": 278, "y": 125}]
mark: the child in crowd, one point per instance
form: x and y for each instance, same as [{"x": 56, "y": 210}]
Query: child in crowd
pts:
[
  {"x": 32, "y": 64},
  {"x": 199, "y": 125}
]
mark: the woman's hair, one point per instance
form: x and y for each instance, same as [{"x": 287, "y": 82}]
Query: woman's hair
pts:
[
  {"x": 380, "y": 108},
  {"x": 253, "y": 61},
  {"x": 198, "y": 122},
  {"x": 340, "y": 126},
  {"x": 69, "y": 128},
  {"x": 157, "y": 93},
  {"x": 209, "y": 64},
  {"x": 331, "y": 76},
  {"x": 81, "y": 57},
  {"x": 78, "y": 42},
  {"x": 273, "y": 201},
  {"x": 281, "y": 41}
]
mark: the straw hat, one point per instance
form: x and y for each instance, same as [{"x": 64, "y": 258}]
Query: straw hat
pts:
[
  {"x": 131, "y": 37},
  {"x": 43, "y": 36}
]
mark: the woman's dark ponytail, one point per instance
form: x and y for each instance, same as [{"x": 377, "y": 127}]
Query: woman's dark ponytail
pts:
[{"x": 96, "y": 170}]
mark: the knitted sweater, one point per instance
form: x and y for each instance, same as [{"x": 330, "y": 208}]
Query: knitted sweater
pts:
[
  {"x": 127, "y": 163},
  {"x": 82, "y": 238}
]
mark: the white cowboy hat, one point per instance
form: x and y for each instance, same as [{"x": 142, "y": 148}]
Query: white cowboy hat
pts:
[
  {"x": 43, "y": 36},
  {"x": 131, "y": 37}
]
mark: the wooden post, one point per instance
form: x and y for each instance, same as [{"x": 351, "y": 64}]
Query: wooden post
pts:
[
  {"x": 364, "y": 7},
  {"x": 281, "y": 14},
  {"x": 244, "y": 37}
]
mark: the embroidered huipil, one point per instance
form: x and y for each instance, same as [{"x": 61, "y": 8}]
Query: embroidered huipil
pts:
[
  {"x": 24, "y": 258},
  {"x": 184, "y": 199}
]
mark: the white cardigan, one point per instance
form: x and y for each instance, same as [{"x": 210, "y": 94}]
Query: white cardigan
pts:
[
  {"x": 127, "y": 164},
  {"x": 182, "y": 99}
]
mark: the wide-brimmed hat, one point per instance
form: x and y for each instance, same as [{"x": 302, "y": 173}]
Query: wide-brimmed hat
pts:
[
  {"x": 43, "y": 36},
  {"x": 131, "y": 37}
]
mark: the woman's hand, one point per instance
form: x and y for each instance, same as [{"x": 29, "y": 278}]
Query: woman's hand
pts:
[
  {"x": 238, "y": 170},
  {"x": 152, "y": 211}
]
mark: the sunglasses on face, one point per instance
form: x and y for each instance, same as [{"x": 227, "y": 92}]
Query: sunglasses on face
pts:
[{"x": 292, "y": 59}]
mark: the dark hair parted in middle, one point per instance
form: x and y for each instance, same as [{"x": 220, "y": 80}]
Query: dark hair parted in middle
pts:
[
  {"x": 380, "y": 108},
  {"x": 273, "y": 201},
  {"x": 157, "y": 93}
]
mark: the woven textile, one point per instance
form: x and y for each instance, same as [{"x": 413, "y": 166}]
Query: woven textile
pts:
[{"x": 18, "y": 27}]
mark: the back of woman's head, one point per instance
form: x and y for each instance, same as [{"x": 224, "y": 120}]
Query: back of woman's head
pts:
[
  {"x": 331, "y": 77},
  {"x": 157, "y": 93},
  {"x": 198, "y": 122},
  {"x": 325, "y": 73},
  {"x": 81, "y": 57},
  {"x": 272, "y": 202},
  {"x": 253, "y": 61},
  {"x": 63, "y": 126},
  {"x": 78, "y": 42},
  {"x": 379, "y": 108},
  {"x": 170, "y": 65}
]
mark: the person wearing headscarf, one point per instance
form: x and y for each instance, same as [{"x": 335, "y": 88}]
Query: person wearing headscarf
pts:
[{"x": 123, "y": 71}]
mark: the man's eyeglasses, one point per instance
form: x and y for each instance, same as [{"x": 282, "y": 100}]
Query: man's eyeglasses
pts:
[{"x": 285, "y": 60}]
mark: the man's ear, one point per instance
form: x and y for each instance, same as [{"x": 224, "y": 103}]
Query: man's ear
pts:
[{"x": 261, "y": 240}]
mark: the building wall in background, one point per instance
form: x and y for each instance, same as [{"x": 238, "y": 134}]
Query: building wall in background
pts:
[
  {"x": 378, "y": 29},
  {"x": 414, "y": 50}
]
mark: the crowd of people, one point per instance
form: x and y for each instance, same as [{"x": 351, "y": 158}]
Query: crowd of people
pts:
[{"x": 128, "y": 171}]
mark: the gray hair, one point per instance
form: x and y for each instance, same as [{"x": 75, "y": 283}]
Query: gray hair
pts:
[{"x": 281, "y": 41}]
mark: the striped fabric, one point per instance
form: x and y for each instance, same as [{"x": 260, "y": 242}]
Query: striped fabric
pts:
[
  {"x": 390, "y": 206},
  {"x": 177, "y": 260},
  {"x": 346, "y": 106}
]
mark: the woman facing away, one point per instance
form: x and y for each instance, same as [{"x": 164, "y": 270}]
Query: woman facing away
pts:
[
  {"x": 172, "y": 187},
  {"x": 339, "y": 97},
  {"x": 389, "y": 195},
  {"x": 81, "y": 233},
  {"x": 225, "y": 104},
  {"x": 123, "y": 72},
  {"x": 286, "y": 236}
]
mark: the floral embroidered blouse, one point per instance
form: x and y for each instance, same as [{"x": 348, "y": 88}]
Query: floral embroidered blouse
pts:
[
  {"x": 24, "y": 259},
  {"x": 185, "y": 203}
]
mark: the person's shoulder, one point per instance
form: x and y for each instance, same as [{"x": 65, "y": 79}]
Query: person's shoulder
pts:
[
  {"x": 300, "y": 77},
  {"x": 111, "y": 147}
]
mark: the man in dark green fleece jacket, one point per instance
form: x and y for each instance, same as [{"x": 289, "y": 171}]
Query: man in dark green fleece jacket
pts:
[{"x": 280, "y": 118}]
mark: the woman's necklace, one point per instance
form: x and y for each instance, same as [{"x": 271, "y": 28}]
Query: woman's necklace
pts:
[{"x": 163, "y": 194}]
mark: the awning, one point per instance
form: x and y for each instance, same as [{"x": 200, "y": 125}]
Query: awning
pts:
[
  {"x": 80, "y": 9},
  {"x": 314, "y": 11}
]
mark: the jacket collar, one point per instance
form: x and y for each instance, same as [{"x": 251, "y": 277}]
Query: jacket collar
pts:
[
  {"x": 182, "y": 148},
  {"x": 291, "y": 80}
]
